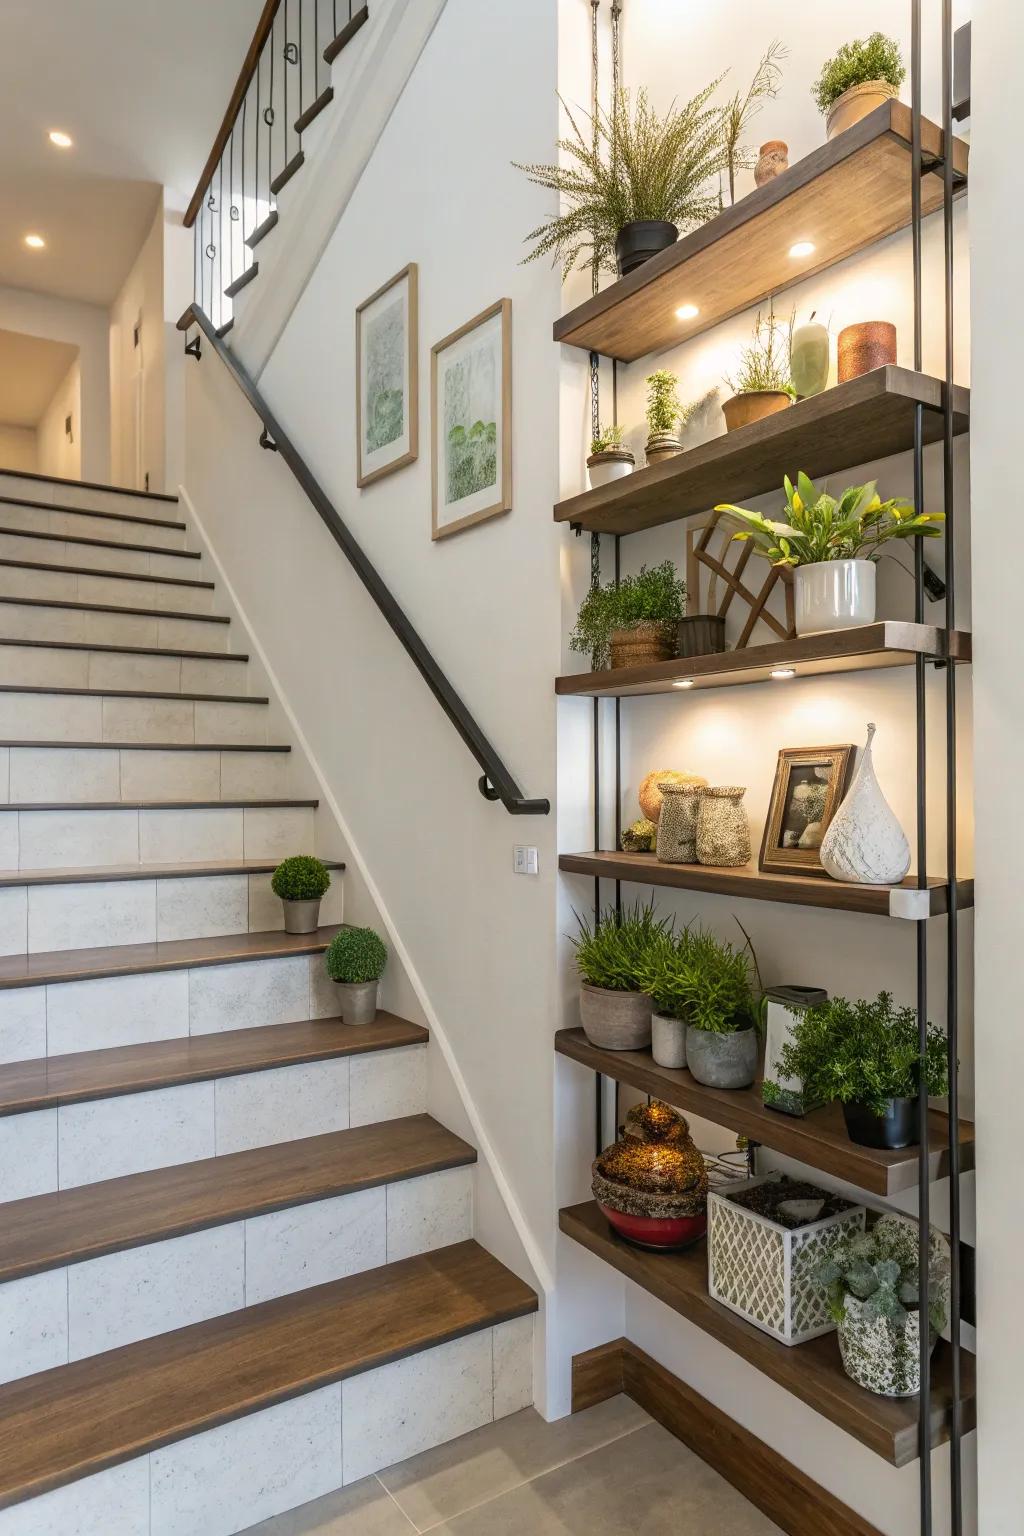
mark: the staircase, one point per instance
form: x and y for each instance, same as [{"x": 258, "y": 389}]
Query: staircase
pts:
[{"x": 236, "y": 1263}]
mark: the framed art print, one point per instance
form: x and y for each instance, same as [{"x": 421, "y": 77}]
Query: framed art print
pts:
[
  {"x": 387, "y": 384},
  {"x": 810, "y": 783},
  {"x": 471, "y": 421}
]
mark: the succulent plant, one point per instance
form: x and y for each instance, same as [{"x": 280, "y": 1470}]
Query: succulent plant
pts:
[{"x": 639, "y": 837}]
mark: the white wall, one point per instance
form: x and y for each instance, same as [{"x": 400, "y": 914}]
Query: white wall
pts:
[
  {"x": 85, "y": 325},
  {"x": 141, "y": 299},
  {"x": 58, "y": 455},
  {"x": 18, "y": 448}
]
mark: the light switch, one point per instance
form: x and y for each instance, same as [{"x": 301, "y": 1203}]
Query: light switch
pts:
[{"x": 524, "y": 860}]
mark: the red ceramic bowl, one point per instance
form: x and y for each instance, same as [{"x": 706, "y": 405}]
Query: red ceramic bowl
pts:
[{"x": 657, "y": 1231}]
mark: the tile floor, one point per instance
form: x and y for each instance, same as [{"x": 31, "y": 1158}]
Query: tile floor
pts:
[{"x": 603, "y": 1472}]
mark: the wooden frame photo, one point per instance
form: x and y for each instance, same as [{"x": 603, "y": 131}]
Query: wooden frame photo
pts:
[
  {"x": 387, "y": 378},
  {"x": 810, "y": 783},
  {"x": 471, "y": 422}
]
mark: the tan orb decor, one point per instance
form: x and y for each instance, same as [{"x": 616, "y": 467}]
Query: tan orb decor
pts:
[{"x": 650, "y": 789}]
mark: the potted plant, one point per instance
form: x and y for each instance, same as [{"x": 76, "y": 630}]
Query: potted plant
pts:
[
  {"x": 631, "y": 183},
  {"x": 762, "y": 384},
  {"x": 870, "y": 1282},
  {"x": 612, "y": 957},
  {"x": 301, "y": 882},
  {"x": 832, "y": 545},
  {"x": 863, "y": 75},
  {"x": 663, "y": 977},
  {"x": 663, "y": 413},
  {"x": 609, "y": 458},
  {"x": 740, "y": 111},
  {"x": 722, "y": 1010},
  {"x": 355, "y": 959},
  {"x": 634, "y": 622},
  {"x": 866, "y": 1055}
]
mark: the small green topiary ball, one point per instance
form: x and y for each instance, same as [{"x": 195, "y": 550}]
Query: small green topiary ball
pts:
[
  {"x": 356, "y": 955},
  {"x": 301, "y": 878}
]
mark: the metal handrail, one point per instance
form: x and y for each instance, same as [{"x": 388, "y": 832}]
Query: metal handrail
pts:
[{"x": 496, "y": 783}]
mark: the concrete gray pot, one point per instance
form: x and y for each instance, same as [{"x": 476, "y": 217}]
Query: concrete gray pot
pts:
[
  {"x": 723, "y": 1061},
  {"x": 615, "y": 1021},
  {"x": 668, "y": 1041},
  {"x": 301, "y": 916},
  {"x": 357, "y": 1001}
]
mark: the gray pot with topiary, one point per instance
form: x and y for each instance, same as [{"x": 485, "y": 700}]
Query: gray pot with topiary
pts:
[
  {"x": 301, "y": 882},
  {"x": 355, "y": 961}
]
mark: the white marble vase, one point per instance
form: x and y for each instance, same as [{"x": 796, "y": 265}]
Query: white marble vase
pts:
[{"x": 865, "y": 843}]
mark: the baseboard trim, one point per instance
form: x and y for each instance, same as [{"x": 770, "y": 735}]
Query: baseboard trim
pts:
[{"x": 796, "y": 1503}]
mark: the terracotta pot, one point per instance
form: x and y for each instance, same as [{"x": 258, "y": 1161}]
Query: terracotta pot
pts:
[
  {"x": 613, "y": 464},
  {"x": 869, "y": 344},
  {"x": 662, "y": 445},
  {"x": 772, "y": 160},
  {"x": 615, "y": 1021},
  {"x": 645, "y": 642},
  {"x": 856, "y": 103},
  {"x": 753, "y": 405}
]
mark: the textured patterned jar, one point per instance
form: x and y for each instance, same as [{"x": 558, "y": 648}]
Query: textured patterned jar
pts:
[
  {"x": 677, "y": 824},
  {"x": 772, "y": 160},
  {"x": 723, "y": 834},
  {"x": 879, "y": 1355}
]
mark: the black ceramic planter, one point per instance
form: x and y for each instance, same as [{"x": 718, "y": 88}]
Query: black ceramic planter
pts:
[
  {"x": 639, "y": 241},
  {"x": 899, "y": 1127},
  {"x": 701, "y": 635}
]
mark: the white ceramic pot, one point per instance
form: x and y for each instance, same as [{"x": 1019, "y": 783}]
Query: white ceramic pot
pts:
[
  {"x": 833, "y": 594},
  {"x": 668, "y": 1041},
  {"x": 613, "y": 465}
]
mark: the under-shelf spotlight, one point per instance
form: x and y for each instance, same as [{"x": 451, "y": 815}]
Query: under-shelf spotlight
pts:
[
  {"x": 61, "y": 139},
  {"x": 802, "y": 248},
  {"x": 687, "y": 312},
  {"x": 35, "y": 242},
  {"x": 683, "y": 682},
  {"x": 780, "y": 674}
]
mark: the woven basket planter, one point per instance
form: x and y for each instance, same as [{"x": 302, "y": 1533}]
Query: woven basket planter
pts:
[
  {"x": 643, "y": 643},
  {"x": 762, "y": 1269}
]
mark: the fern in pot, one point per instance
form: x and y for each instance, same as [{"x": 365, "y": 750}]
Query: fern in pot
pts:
[
  {"x": 832, "y": 545},
  {"x": 612, "y": 958},
  {"x": 301, "y": 882},
  {"x": 355, "y": 960},
  {"x": 633, "y": 623},
  {"x": 609, "y": 459}
]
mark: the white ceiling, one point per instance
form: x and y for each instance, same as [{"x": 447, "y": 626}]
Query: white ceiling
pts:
[
  {"x": 141, "y": 86},
  {"x": 30, "y": 371}
]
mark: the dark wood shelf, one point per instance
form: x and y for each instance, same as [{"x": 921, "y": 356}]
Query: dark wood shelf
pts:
[
  {"x": 868, "y": 647},
  {"x": 855, "y": 423},
  {"x": 812, "y": 1372},
  {"x": 907, "y": 900},
  {"x": 742, "y": 257},
  {"x": 818, "y": 1140}
]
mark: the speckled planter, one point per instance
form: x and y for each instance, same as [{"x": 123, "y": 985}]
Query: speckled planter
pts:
[
  {"x": 668, "y": 1041},
  {"x": 357, "y": 1001},
  {"x": 722, "y": 1061},
  {"x": 879, "y": 1356},
  {"x": 615, "y": 1021}
]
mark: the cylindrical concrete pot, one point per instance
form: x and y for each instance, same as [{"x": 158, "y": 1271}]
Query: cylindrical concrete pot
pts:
[
  {"x": 301, "y": 916},
  {"x": 615, "y": 1021},
  {"x": 668, "y": 1041},
  {"x": 722, "y": 1061},
  {"x": 357, "y": 1001},
  {"x": 833, "y": 594},
  {"x": 856, "y": 103}
]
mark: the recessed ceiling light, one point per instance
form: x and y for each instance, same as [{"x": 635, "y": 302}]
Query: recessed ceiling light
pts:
[
  {"x": 35, "y": 242},
  {"x": 687, "y": 312},
  {"x": 683, "y": 682},
  {"x": 781, "y": 673},
  {"x": 802, "y": 248},
  {"x": 60, "y": 138}
]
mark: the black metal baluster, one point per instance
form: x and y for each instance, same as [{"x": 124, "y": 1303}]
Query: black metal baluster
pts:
[
  {"x": 245, "y": 114},
  {"x": 269, "y": 115},
  {"x": 284, "y": 71},
  {"x": 232, "y": 210},
  {"x": 316, "y": 49},
  {"x": 302, "y": 98}
]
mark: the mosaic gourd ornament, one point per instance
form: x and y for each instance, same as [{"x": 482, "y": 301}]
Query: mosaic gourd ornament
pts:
[{"x": 865, "y": 843}]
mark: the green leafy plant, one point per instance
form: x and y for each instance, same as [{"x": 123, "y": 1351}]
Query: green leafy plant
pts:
[
  {"x": 613, "y": 952},
  {"x": 880, "y": 1269},
  {"x": 876, "y": 58},
  {"x": 607, "y": 439},
  {"x": 356, "y": 955},
  {"x": 657, "y": 594},
  {"x": 862, "y": 1053},
  {"x": 704, "y": 981},
  {"x": 663, "y": 406},
  {"x": 634, "y": 165},
  {"x": 742, "y": 109},
  {"x": 300, "y": 878},
  {"x": 819, "y": 527},
  {"x": 765, "y": 363}
]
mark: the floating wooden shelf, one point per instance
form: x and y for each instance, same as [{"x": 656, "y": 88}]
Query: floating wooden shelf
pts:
[
  {"x": 845, "y": 195},
  {"x": 869, "y": 418},
  {"x": 812, "y": 1372},
  {"x": 818, "y": 1140},
  {"x": 863, "y": 649},
  {"x": 907, "y": 900}
]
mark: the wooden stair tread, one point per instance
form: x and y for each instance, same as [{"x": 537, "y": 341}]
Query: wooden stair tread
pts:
[
  {"x": 110, "y": 517},
  {"x": 136, "y": 693},
  {"x": 146, "y": 613},
  {"x": 164, "y": 955},
  {"x": 66, "y": 1423},
  {"x": 92, "y": 542},
  {"x": 90, "y": 874},
  {"x": 7, "y": 562},
  {"x": 49, "y": 1081},
  {"x": 812, "y": 1372},
  {"x": 73, "y": 1225},
  {"x": 258, "y": 804},
  {"x": 152, "y": 746},
  {"x": 90, "y": 485},
  {"x": 125, "y": 650}
]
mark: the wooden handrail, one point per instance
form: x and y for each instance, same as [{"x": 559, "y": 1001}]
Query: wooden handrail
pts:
[{"x": 249, "y": 67}]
